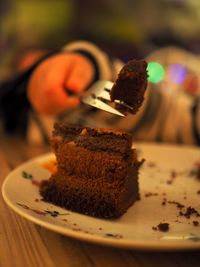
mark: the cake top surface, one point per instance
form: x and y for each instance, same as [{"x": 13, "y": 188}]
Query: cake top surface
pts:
[
  {"x": 65, "y": 128},
  {"x": 93, "y": 138},
  {"x": 134, "y": 67}
]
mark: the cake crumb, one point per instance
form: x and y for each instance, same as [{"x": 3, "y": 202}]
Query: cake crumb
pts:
[
  {"x": 164, "y": 202},
  {"x": 149, "y": 194},
  {"x": 189, "y": 212},
  {"x": 179, "y": 205},
  {"x": 162, "y": 227},
  {"x": 173, "y": 175},
  {"x": 195, "y": 171},
  {"x": 151, "y": 164}
]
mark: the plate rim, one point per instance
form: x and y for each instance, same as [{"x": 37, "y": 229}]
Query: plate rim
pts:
[{"x": 136, "y": 244}]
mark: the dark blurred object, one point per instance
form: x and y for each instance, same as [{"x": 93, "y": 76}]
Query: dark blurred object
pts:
[
  {"x": 165, "y": 38},
  {"x": 132, "y": 29},
  {"x": 14, "y": 105},
  {"x": 124, "y": 28},
  {"x": 30, "y": 25},
  {"x": 4, "y": 7}
]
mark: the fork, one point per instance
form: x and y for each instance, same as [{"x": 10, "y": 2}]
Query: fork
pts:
[{"x": 98, "y": 96}]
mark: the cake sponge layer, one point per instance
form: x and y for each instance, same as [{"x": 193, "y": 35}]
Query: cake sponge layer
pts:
[
  {"x": 81, "y": 161},
  {"x": 96, "y": 198}
]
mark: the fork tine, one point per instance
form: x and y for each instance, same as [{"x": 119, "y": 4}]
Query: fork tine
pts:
[
  {"x": 97, "y": 103},
  {"x": 123, "y": 104},
  {"x": 96, "y": 95},
  {"x": 101, "y": 89}
]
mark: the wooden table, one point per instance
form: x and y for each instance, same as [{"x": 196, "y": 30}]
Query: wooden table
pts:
[{"x": 25, "y": 244}]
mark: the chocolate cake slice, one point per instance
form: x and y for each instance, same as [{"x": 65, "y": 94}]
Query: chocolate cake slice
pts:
[
  {"x": 130, "y": 86},
  {"x": 97, "y": 171}
]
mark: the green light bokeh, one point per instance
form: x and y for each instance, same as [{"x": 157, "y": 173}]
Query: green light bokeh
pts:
[{"x": 156, "y": 72}]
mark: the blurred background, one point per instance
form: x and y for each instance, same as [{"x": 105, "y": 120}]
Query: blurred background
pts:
[{"x": 124, "y": 28}]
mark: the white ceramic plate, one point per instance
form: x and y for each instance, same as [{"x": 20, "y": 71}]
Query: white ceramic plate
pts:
[{"x": 168, "y": 178}]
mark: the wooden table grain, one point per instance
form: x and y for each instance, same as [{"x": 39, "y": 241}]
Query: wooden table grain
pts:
[{"x": 24, "y": 244}]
